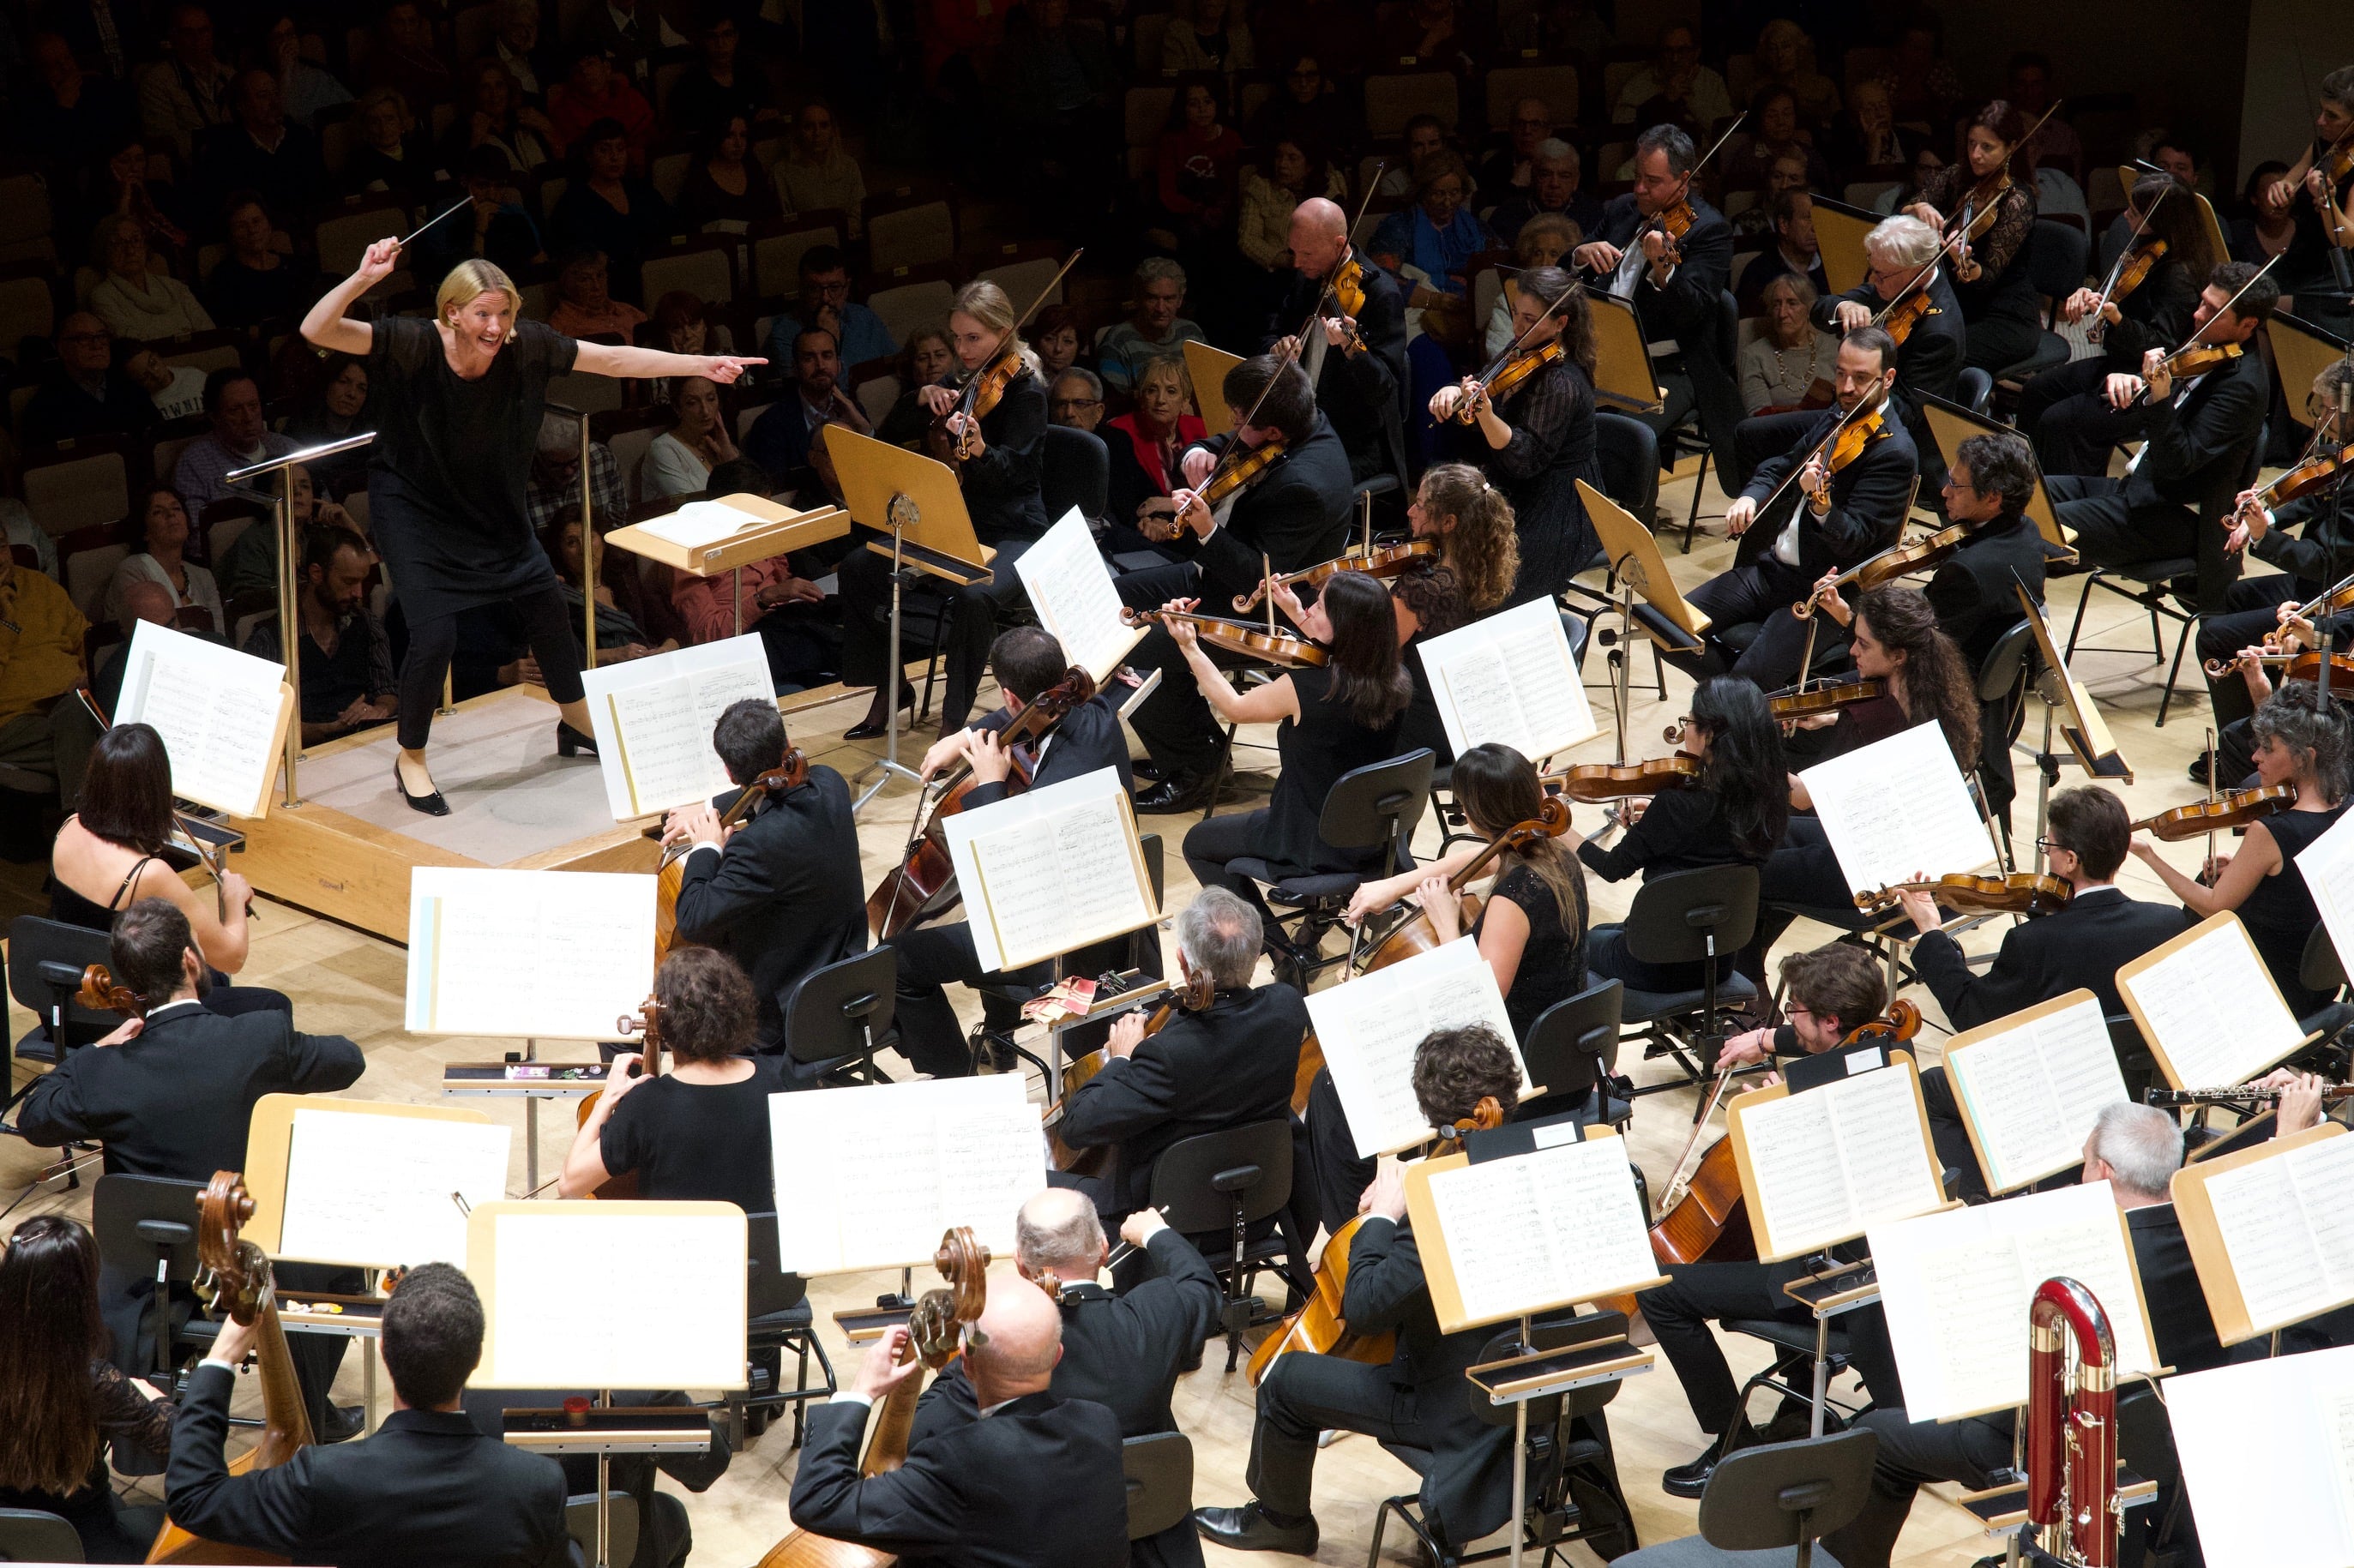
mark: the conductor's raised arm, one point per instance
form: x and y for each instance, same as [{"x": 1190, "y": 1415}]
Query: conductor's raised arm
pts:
[{"x": 327, "y": 326}]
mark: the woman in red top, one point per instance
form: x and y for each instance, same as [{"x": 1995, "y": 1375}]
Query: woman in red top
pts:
[
  {"x": 1195, "y": 164},
  {"x": 1145, "y": 443}
]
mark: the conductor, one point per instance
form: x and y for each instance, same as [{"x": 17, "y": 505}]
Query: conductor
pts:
[{"x": 460, "y": 400}]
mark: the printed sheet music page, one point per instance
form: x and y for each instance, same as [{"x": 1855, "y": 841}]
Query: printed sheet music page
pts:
[
  {"x": 1369, "y": 1026},
  {"x": 2267, "y": 1452},
  {"x": 655, "y": 717},
  {"x": 558, "y": 955}
]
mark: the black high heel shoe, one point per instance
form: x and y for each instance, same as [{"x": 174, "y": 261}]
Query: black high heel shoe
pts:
[
  {"x": 570, "y": 742},
  {"x": 432, "y": 805},
  {"x": 871, "y": 728}
]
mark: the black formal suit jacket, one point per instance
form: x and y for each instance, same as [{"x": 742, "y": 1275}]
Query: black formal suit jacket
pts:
[
  {"x": 1686, "y": 309},
  {"x": 2082, "y": 944},
  {"x": 428, "y": 1487},
  {"x": 2313, "y": 539},
  {"x": 1037, "y": 1485},
  {"x": 1227, "y": 1065},
  {"x": 1867, "y": 497},
  {"x": 1088, "y": 738},
  {"x": 1930, "y": 358},
  {"x": 785, "y": 897},
  {"x": 2192, "y": 436},
  {"x": 1363, "y": 394},
  {"x": 1972, "y": 592},
  {"x": 2178, "y": 1319},
  {"x": 2156, "y": 315},
  {"x": 1297, "y": 512},
  {"x": 175, "y": 1101}
]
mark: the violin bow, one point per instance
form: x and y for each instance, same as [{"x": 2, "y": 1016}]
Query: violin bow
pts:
[
  {"x": 1694, "y": 173},
  {"x": 1850, "y": 417},
  {"x": 1972, "y": 217},
  {"x": 2189, "y": 343},
  {"x": 2118, "y": 268},
  {"x": 1008, "y": 335}
]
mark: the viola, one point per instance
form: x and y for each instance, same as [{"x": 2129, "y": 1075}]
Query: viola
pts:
[
  {"x": 1792, "y": 705},
  {"x": 1417, "y": 935},
  {"x": 1897, "y": 561},
  {"x": 1506, "y": 381},
  {"x": 2236, "y": 808},
  {"x": 1389, "y": 561},
  {"x": 2020, "y": 893},
  {"x": 670, "y": 880},
  {"x": 924, "y": 882},
  {"x": 1591, "y": 783},
  {"x": 1236, "y": 637},
  {"x": 646, "y": 1023},
  {"x": 1078, "y": 1074},
  {"x": 100, "y": 994}
]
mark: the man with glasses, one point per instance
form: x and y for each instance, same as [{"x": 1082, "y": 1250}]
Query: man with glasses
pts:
[
  {"x": 83, "y": 394},
  {"x": 189, "y": 90},
  {"x": 1693, "y": 94},
  {"x": 827, "y": 306},
  {"x": 1553, "y": 187},
  {"x": 1509, "y": 167},
  {"x": 1974, "y": 591},
  {"x": 1076, "y": 400}
]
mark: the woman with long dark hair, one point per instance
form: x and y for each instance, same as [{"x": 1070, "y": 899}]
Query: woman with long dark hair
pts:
[
  {"x": 61, "y": 1402},
  {"x": 1330, "y": 720},
  {"x": 1732, "y": 814},
  {"x": 1990, "y": 278}
]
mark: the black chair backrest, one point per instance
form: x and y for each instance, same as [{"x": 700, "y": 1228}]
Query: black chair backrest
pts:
[
  {"x": 1628, "y": 452},
  {"x": 834, "y": 1009},
  {"x": 1565, "y": 1047},
  {"x": 2005, "y": 661},
  {"x": 1378, "y": 804},
  {"x": 2321, "y": 969},
  {"x": 2056, "y": 254},
  {"x": 620, "y": 1525},
  {"x": 770, "y": 1289},
  {"x": 1159, "y": 1467},
  {"x": 1574, "y": 629},
  {"x": 136, "y": 1218},
  {"x": 1196, "y": 1179},
  {"x": 1074, "y": 470},
  {"x": 35, "y": 941},
  {"x": 2226, "y": 478},
  {"x": 1673, "y": 915},
  {"x": 29, "y": 1536},
  {"x": 1760, "y": 1499},
  {"x": 1975, "y": 389},
  {"x": 1728, "y": 328}
]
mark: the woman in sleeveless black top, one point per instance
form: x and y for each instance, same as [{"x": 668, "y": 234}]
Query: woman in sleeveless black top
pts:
[{"x": 2303, "y": 742}]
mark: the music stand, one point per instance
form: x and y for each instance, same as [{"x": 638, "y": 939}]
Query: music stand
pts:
[
  {"x": 1839, "y": 239},
  {"x": 1623, "y": 376},
  {"x": 2300, "y": 351},
  {"x": 2082, "y": 728},
  {"x": 915, "y": 501},
  {"x": 1637, "y": 567},
  {"x": 1208, "y": 367},
  {"x": 1952, "y": 425}
]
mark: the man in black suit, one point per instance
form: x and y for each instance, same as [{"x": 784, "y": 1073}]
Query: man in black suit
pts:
[
  {"x": 1675, "y": 293},
  {"x": 2194, "y": 429},
  {"x": 1974, "y": 590},
  {"x": 1792, "y": 253},
  {"x": 1778, "y": 565},
  {"x": 1124, "y": 1352},
  {"x": 778, "y": 893},
  {"x": 1028, "y": 664},
  {"x": 426, "y": 1488},
  {"x": 1357, "y": 364},
  {"x": 2136, "y": 1149},
  {"x": 1228, "y": 1066},
  {"x": 172, "y": 1096},
  {"x": 1030, "y": 1478},
  {"x": 1294, "y": 515}
]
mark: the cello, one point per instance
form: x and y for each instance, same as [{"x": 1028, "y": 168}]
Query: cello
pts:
[
  {"x": 646, "y": 1023},
  {"x": 671, "y": 879},
  {"x": 1193, "y": 996},
  {"x": 924, "y": 882},
  {"x": 934, "y": 1331},
  {"x": 100, "y": 994},
  {"x": 233, "y": 1280}
]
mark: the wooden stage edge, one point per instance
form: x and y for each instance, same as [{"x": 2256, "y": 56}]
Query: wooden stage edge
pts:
[{"x": 335, "y": 866}]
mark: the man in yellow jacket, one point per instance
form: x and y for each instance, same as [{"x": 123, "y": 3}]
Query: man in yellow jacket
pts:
[{"x": 40, "y": 664}]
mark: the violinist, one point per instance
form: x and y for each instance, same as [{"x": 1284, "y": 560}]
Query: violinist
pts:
[
  {"x": 1479, "y": 558},
  {"x": 2198, "y": 427},
  {"x": 1985, "y": 198},
  {"x": 1291, "y": 514},
  {"x": 1355, "y": 354},
  {"x": 777, "y": 893},
  {"x": 1846, "y": 503},
  {"x": 1987, "y": 487},
  {"x": 997, "y": 454},
  {"x": 1535, "y": 439},
  {"x": 2318, "y": 189},
  {"x": 1673, "y": 283},
  {"x": 2300, "y": 741},
  {"x": 1027, "y": 663},
  {"x": 2074, "y": 428},
  {"x": 1228, "y": 1066}
]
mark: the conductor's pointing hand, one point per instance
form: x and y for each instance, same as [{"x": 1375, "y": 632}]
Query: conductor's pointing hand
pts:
[{"x": 724, "y": 368}]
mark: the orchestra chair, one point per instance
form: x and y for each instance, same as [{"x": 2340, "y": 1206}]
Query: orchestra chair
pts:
[
  {"x": 146, "y": 1229},
  {"x": 1376, "y": 806},
  {"x": 1688, "y": 434},
  {"x": 1220, "y": 1186},
  {"x": 839, "y": 1017},
  {"x": 1784, "y": 1497},
  {"x": 1159, "y": 1468},
  {"x": 1570, "y": 1466},
  {"x": 46, "y": 959},
  {"x": 777, "y": 1317},
  {"x": 2165, "y": 587},
  {"x": 1364, "y": 491},
  {"x": 1569, "y": 1051},
  {"x": 2320, "y": 970},
  {"x": 1683, "y": 918},
  {"x": 1795, "y": 1367},
  {"x": 2003, "y": 683},
  {"x": 32, "y": 1535},
  {"x": 621, "y": 1525},
  {"x": 1074, "y": 470},
  {"x": 1975, "y": 389},
  {"x": 1137, "y": 952},
  {"x": 2057, "y": 255},
  {"x": 1452, "y": 824}
]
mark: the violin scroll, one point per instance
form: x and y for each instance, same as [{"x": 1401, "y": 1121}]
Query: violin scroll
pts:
[{"x": 100, "y": 994}]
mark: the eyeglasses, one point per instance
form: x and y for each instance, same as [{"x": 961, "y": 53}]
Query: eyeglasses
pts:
[
  {"x": 84, "y": 337},
  {"x": 2051, "y": 847},
  {"x": 1953, "y": 483},
  {"x": 1062, "y": 405}
]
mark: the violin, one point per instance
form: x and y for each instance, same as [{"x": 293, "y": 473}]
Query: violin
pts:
[
  {"x": 1417, "y": 935},
  {"x": 670, "y": 881},
  {"x": 234, "y": 1281},
  {"x": 1238, "y": 637},
  {"x": 1193, "y": 998},
  {"x": 1230, "y": 478},
  {"x": 2236, "y": 808},
  {"x": 1389, "y": 561},
  {"x": 983, "y": 391},
  {"x": 1591, "y": 783},
  {"x": 936, "y": 1332},
  {"x": 2020, "y": 893},
  {"x": 1907, "y": 311},
  {"x": 646, "y": 1023},
  {"x": 924, "y": 882},
  {"x": 1506, "y": 381},
  {"x": 1847, "y": 444},
  {"x": 1788, "y": 706},
  {"x": 1896, "y": 561},
  {"x": 2298, "y": 482},
  {"x": 2133, "y": 270},
  {"x": 100, "y": 994}
]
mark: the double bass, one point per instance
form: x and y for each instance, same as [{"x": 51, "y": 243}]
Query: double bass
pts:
[
  {"x": 670, "y": 881},
  {"x": 234, "y": 1281},
  {"x": 935, "y": 1330},
  {"x": 646, "y": 1023}
]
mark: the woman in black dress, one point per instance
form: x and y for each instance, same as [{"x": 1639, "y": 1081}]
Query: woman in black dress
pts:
[
  {"x": 1990, "y": 278},
  {"x": 1540, "y": 442},
  {"x": 459, "y": 401},
  {"x": 1331, "y": 720},
  {"x": 2301, "y": 741}
]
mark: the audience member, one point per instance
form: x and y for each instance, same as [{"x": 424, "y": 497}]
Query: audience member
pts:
[
  {"x": 680, "y": 459},
  {"x": 133, "y": 299},
  {"x": 150, "y": 602},
  {"x": 254, "y": 284},
  {"x": 177, "y": 391},
  {"x": 779, "y": 439},
  {"x": 259, "y": 152},
  {"x": 624, "y": 610},
  {"x": 347, "y": 679},
  {"x": 1785, "y": 57},
  {"x": 1923, "y": 90},
  {"x": 927, "y": 358},
  {"x": 391, "y": 154},
  {"x": 130, "y": 186},
  {"x": 1793, "y": 251},
  {"x": 1291, "y": 176},
  {"x": 1554, "y": 27},
  {"x": 1787, "y": 365},
  {"x": 1554, "y": 171},
  {"x": 240, "y": 437},
  {"x": 1194, "y": 166},
  {"x": 724, "y": 188},
  {"x": 594, "y": 92},
  {"x": 530, "y": 60},
  {"x": 584, "y": 303},
  {"x": 496, "y": 227},
  {"x": 1074, "y": 399},
  {"x": 402, "y": 56},
  {"x": 1509, "y": 168},
  {"x": 188, "y": 90},
  {"x": 826, "y": 305},
  {"x": 1431, "y": 244},
  {"x": 157, "y": 532},
  {"x": 339, "y": 408},
  {"x": 82, "y": 393},
  {"x": 1156, "y": 324},
  {"x": 1425, "y": 139},
  {"x": 305, "y": 86},
  {"x": 247, "y": 570},
  {"x": 1674, "y": 87},
  {"x": 1866, "y": 136},
  {"x": 66, "y": 117},
  {"x": 43, "y": 665},
  {"x": 1309, "y": 110},
  {"x": 2177, "y": 154},
  {"x": 1331, "y": 31},
  {"x": 2266, "y": 225},
  {"x": 682, "y": 323},
  {"x": 630, "y": 39},
  {"x": 1785, "y": 173},
  {"x": 1146, "y": 442},
  {"x": 499, "y": 117},
  {"x": 1544, "y": 241},
  {"x": 797, "y": 624},
  {"x": 19, "y": 528},
  {"x": 1433, "y": 34},
  {"x": 2031, "y": 89},
  {"x": 1214, "y": 38},
  {"x": 1054, "y": 338},
  {"x": 607, "y": 208},
  {"x": 815, "y": 174},
  {"x": 553, "y": 482},
  {"x": 1059, "y": 85},
  {"x": 713, "y": 89}
]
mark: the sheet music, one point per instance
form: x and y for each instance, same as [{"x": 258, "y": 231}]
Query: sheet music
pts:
[
  {"x": 2033, "y": 1092},
  {"x": 1981, "y": 1345},
  {"x": 1369, "y": 1028},
  {"x": 559, "y": 955},
  {"x": 2267, "y": 1452},
  {"x": 879, "y": 1172},
  {"x": 1898, "y": 809},
  {"x": 375, "y": 1191},
  {"x": 1510, "y": 679},
  {"x": 2212, "y": 1007},
  {"x": 653, "y": 720},
  {"x": 2286, "y": 1229},
  {"x": 1070, "y": 589},
  {"x": 216, "y": 709},
  {"x": 2328, "y": 863},
  {"x": 1801, "y": 1189},
  {"x": 1539, "y": 1230},
  {"x": 1831, "y": 1161},
  {"x": 560, "y": 1278},
  {"x": 701, "y": 523},
  {"x": 1050, "y": 870}
]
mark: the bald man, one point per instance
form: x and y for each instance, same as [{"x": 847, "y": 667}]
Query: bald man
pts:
[
  {"x": 1361, "y": 389},
  {"x": 1030, "y": 1480}
]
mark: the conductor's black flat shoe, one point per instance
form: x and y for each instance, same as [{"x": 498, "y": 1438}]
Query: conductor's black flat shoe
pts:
[
  {"x": 1245, "y": 1529},
  {"x": 432, "y": 805},
  {"x": 1178, "y": 792},
  {"x": 570, "y": 742}
]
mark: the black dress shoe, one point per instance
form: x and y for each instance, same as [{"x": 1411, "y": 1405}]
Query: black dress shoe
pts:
[
  {"x": 432, "y": 805},
  {"x": 570, "y": 742},
  {"x": 1690, "y": 1480},
  {"x": 344, "y": 1423},
  {"x": 1178, "y": 792},
  {"x": 1245, "y": 1529},
  {"x": 1145, "y": 769},
  {"x": 2198, "y": 769}
]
